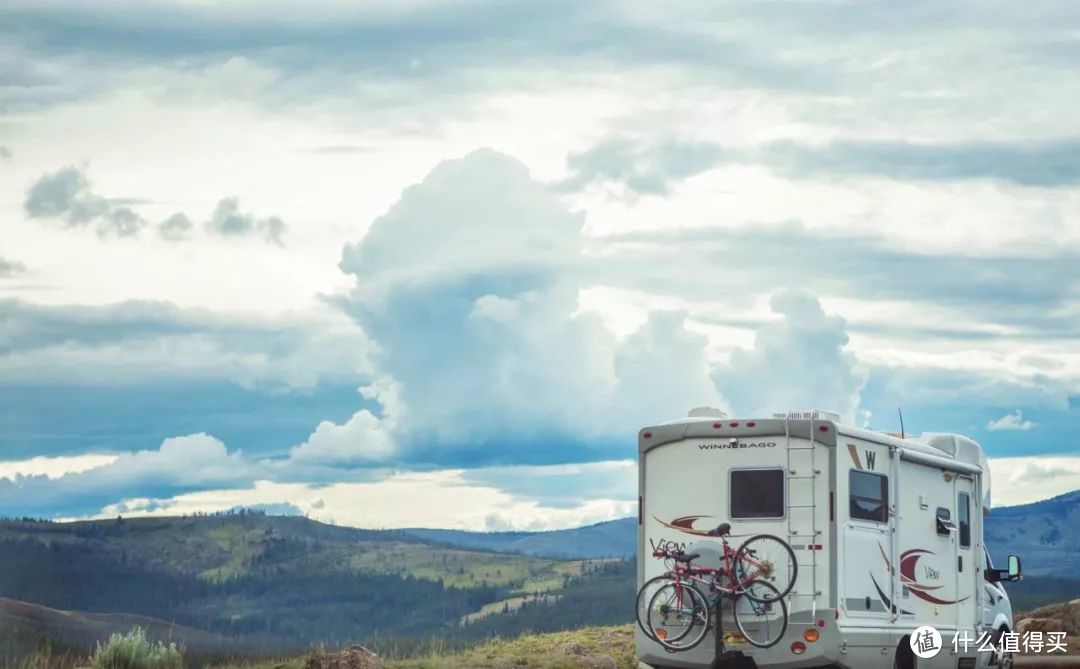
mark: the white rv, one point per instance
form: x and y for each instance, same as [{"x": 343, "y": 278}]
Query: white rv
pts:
[{"x": 887, "y": 533}]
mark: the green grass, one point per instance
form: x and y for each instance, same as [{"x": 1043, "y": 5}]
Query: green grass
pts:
[
  {"x": 134, "y": 651},
  {"x": 543, "y": 651}
]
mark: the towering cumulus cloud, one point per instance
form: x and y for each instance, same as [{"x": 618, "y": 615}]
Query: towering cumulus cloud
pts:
[
  {"x": 799, "y": 361},
  {"x": 469, "y": 287}
]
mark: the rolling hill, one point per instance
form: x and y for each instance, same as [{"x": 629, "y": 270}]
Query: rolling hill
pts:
[
  {"x": 280, "y": 583},
  {"x": 614, "y": 538},
  {"x": 23, "y": 624}
]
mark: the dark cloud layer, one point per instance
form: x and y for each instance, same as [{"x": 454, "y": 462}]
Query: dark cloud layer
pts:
[
  {"x": 652, "y": 166},
  {"x": 133, "y": 342},
  {"x": 67, "y": 195},
  {"x": 642, "y": 167},
  {"x": 1028, "y": 293},
  {"x": 388, "y": 40},
  {"x": 176, "y": 228},
  {"x": 1043, "y": 163},
  {"x": 10, "y": 267},
  {"x": 228, "y": 221}
]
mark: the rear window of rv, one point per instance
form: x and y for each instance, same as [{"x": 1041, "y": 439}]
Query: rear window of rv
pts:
[
  {"x": 757, "y": 493},
  {"x": 869, "y": 496}
]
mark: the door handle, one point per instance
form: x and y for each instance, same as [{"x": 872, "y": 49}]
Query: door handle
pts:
[{"x": 959, "y": 563}]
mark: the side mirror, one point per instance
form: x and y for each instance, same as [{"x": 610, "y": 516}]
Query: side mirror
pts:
[{"x": 1014, "y": 571}]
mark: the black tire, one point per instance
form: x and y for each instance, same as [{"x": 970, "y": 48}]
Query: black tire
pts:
[
  {"x": 644, "y": 598},
  {"x": 904, "y": 658},
  {"x": 766, "y": 614},
  {"x": 678, "y": 625},
  {"x": 1001, "y": 659},
  {"x": 774, "y": 561}
]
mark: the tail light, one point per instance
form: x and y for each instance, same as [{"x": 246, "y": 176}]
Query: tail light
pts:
[{"x": 798, "y": 648}]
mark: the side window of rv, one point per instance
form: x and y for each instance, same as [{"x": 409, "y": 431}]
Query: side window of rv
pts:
[
  {"x": 757, "y": 493},
  {"x": 963, "y": 512},
  {"x": 869, "y": 496}
]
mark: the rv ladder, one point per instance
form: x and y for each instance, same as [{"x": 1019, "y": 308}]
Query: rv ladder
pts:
[{"x": 802, "y": 472}]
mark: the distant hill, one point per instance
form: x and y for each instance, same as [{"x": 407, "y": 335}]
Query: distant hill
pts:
[
  {"x": 1045, "y": 534},
  {"x": 614, "y": 538},
  {"x": 24, "y": 623},
  {"x": 280, "y": 583}
]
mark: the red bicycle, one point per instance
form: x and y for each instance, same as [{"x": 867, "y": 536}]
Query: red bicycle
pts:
[{"x": 672, "y": 610}]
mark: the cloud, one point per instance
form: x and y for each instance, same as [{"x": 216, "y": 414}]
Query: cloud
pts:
[
  {"x": 363, "y": 438},
  {"x": 228, "y": 221},
  {"x": 1010, "y": 421},
  {"x": 1042, "y": 163},
  {"x": 135, "y": 341},
  {"x": 798, "y": 362},
  {"x": 480, "y": 327},
  {"x": 662, "y": 370},
  {"x": 405, "y": 52},
  {"x": 180, "y": 464},
  {"x": 640, "y": 167},
  {"x": 67, "y": 195},
  {"x": 1022, "y": 480},
  {"x": 1021, "y": 292},
  {"x": 10, "y": 267},
  {"x": 454, "y": 498},
  {"x": 53, "y": 467},
  {"x": 176, "y": 228}
]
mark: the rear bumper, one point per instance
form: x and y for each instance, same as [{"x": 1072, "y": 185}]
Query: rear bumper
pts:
[{"x": 733, "y": 661}]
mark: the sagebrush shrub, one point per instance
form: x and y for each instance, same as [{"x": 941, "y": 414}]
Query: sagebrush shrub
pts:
[{"x": 134, "y": 651}]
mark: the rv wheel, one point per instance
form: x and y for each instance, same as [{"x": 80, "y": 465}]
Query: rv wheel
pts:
[
  {"x": 1001, "y": 659},
  {"x": 904, "y": 658}
]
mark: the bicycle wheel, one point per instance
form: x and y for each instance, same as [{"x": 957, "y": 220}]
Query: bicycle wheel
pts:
[
  {"x": 679, "y": 616},
  {"x": 644, "y": 597},
  {"x": 762, "y": 619},
  {"x": 767, "y": 558}
]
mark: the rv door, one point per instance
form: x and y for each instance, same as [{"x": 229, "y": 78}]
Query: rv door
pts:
[{"x": 968, "y": 577}]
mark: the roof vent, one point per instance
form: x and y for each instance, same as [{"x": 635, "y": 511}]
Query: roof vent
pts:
[
  {"x": 706, "y": 412},
  {"x": 813, "y": 414}
]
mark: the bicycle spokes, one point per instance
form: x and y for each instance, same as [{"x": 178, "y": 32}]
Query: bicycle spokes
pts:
[
  {"x": 761, "y": 616},
  {"x": 769, "y": 559},
  {"x": 678, "y": 616}
]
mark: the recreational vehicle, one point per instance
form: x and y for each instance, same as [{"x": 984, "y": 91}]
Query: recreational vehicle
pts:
[{"x": 886, "y": 534}]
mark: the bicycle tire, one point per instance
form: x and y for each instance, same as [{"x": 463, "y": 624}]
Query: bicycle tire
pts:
[
  {"x": 697, "y": 617},
  {"x": 644, "y": 598},
  {"x": 789, "y": 572},
  {"x": 757, "y": 606}
]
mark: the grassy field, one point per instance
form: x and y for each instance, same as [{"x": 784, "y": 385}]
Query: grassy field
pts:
[{"x": 560, "y": 650}]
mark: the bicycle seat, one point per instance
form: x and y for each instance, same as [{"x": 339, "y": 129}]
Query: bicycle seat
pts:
[
  {"x": 722, "y": 530},
  {"x": 689, "y": 557}
]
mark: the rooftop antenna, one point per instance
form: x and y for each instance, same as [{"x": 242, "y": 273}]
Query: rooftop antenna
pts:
[{"x": 901, "y": 414}]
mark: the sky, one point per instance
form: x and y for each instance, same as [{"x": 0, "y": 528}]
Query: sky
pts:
[{"x": 434, "y": 264}]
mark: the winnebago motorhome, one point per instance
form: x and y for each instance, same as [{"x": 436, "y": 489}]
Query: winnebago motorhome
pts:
[{"x": 886, "y": 532}]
